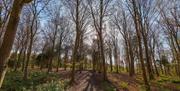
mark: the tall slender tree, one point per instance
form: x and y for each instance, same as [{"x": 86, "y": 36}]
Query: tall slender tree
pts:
[{"x": 9, "y": 35}]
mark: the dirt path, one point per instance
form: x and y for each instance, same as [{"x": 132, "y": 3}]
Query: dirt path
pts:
[
  {"x": 87, "y": 81},
  {"x": 131, "y": 84},
  {"x": 135, "y": 85}
]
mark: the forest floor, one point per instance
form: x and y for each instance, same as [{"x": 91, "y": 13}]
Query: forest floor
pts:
[
  {"x": 89, "y": 81},
  {"x": 85, "y": 81}
]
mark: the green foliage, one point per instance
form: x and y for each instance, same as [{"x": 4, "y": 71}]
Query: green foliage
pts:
[
  {"x": 123, "y": 85},
  {"x": 159, "y": 88},
  {"x": 51, "y": 86},
  {"x": 164, "y": 79},
  {"x": 163, "y": 89},
  {"x": 14, "y": 82},
  {"x": 38, "y": 81},
  {"x": 107, "y": 86},
  {"x": 142, "y": 88},
  {"x": 177, "y": 81}
]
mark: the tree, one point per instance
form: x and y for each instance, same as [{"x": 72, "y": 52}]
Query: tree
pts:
[
  {"x": 121, "y": 24},
  {"x": 63, "y": 35},
  {"x": 10, "y": 35},
  {"x": 152, "y": 46},
  {"x": 5, "y": 8},
  {"x": 98, "y": 14},
  {"x": 20, "y": 41},
  {"x": 33, "y": 28},
  {"x": 136, "y": 17},
  {"x": 109, "y": 44},
  {"x": 79, "y": 15},
  {"x": 170, "y": 24},
  {"x": 113, "y": 36}
]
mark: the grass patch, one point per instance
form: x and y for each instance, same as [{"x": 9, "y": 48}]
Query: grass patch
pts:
[
  {"x": 52, "y": 86},
  {"x": 176, "y": 81},
  {"x": 107, "y": 86},
  {"x": 37, "y": 81},
  {"x": 163, "y": 79},
  {"x": 123, "y": 85}
]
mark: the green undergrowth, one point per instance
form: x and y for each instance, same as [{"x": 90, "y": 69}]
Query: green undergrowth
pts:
[
  {"x": 37, "y": 81},
  {"x": 168, "y": 79},
  {"x": 123, "y": 85},
  {"x": 107, "y": 86},
  {"x": 160, "y": 88}
]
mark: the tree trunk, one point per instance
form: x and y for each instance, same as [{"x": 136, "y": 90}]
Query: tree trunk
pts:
[
  {"x": 127, "y": 57},
  {"x": 76, "y": 46},
  {"x": 138, "y": 32},
  {"x": 132, "y": 70},
  {"x": 28, "y": 58},
  {"x": 24, "y": 58},
  {"x": 58, "y": 64},
  {"x": 59, "y": 55},
  {"x": 9, "y": 37},
  {"x": 149, "y": 67},
  {"x": 18, "y": 60},
  {"x": 142, "y": 64},
  {"x": 52, "y": 50},
  {"x": 93, "y": 60},
  {"x": 116, "y": 57},
  {"x": 75, "y": 51},
  {"x": 101, "y": 39},
  {"x": 110, "y": 58},
  {"x": 66, "y": 58}
]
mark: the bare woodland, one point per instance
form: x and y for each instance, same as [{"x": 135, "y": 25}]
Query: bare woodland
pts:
[{"x": 90, "y": 45}]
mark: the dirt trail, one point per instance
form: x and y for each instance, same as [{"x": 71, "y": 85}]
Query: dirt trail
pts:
[
  {"x": 86, "y": 81},
  {"x": 117, "y": 79},
  {"x": 89, "y": 81}
]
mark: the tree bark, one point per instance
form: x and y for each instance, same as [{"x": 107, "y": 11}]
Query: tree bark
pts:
[
  {"x": 116, "y": 56},
  {"x": 138, "y": 33},
  {"x": 18, "y": 60},
  {"x": 149, "y": 67},
  {"x": 10, "y": 36},
  {"x": 59, "y": 54},
  {"x": 132, "y": 70},
  {"x": 75, "y": 50},
  {"x": 101, "y": 40},
  {"x": 110, "y": 58}
]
